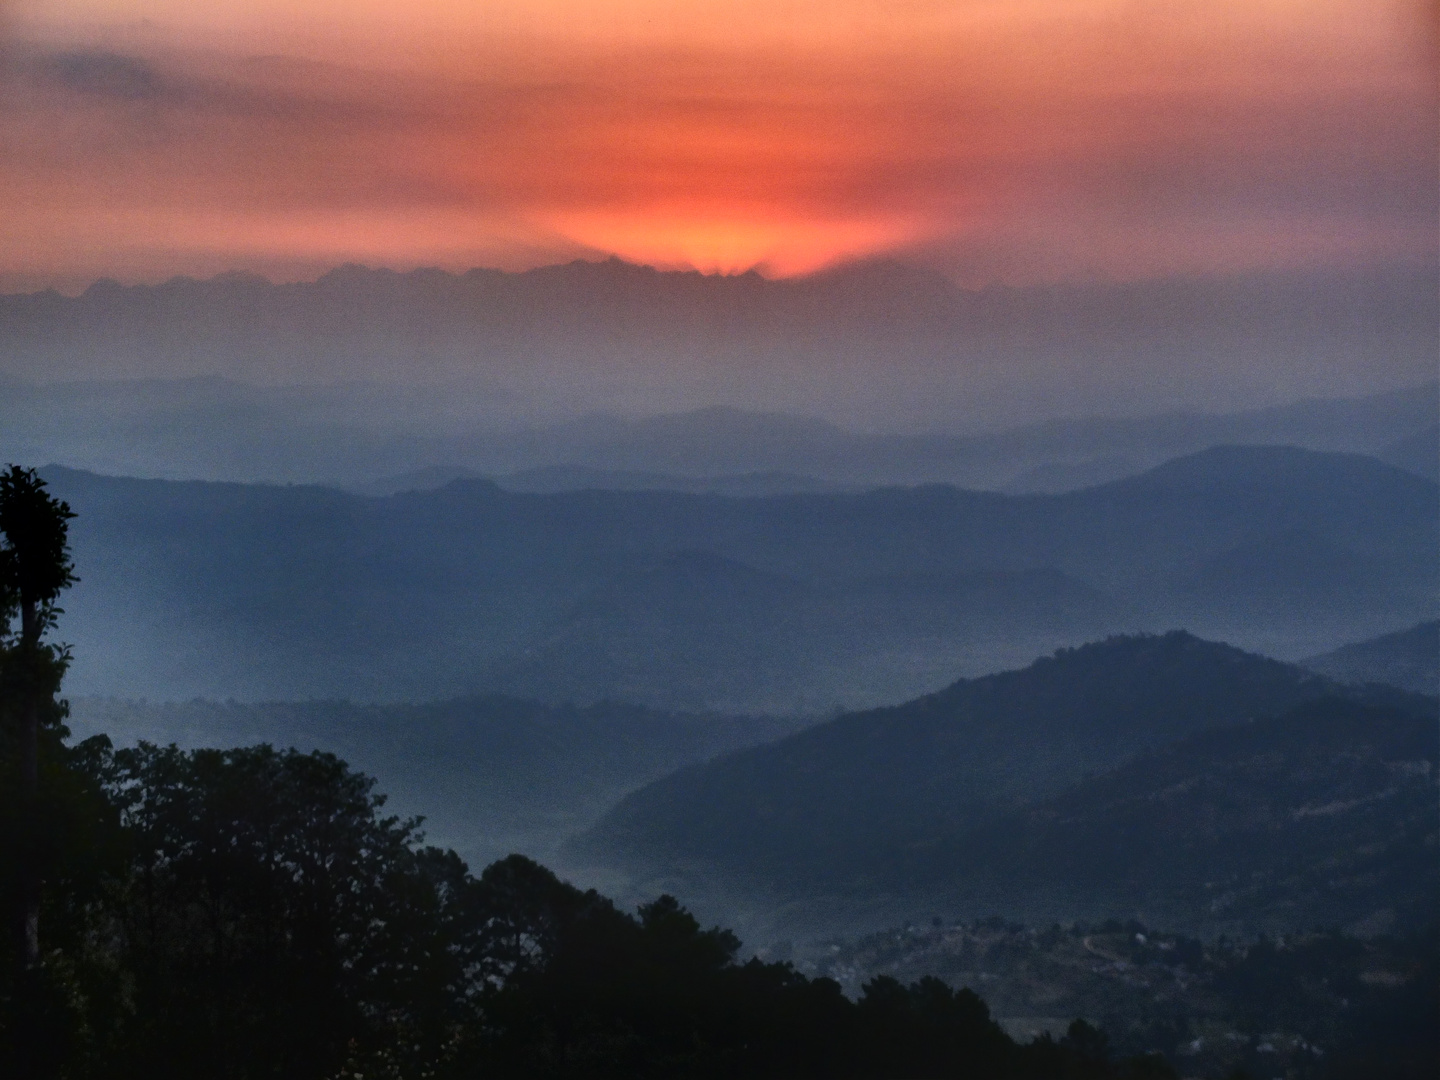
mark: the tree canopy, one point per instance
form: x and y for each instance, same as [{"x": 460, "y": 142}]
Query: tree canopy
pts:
[{"x": 254, "y": 912}]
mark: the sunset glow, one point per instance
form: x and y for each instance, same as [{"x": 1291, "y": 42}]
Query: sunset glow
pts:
[{"x": 1018, "y": 141}]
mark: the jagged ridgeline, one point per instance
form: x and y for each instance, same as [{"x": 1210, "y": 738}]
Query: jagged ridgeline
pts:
[{"x": 575, "y": 335}]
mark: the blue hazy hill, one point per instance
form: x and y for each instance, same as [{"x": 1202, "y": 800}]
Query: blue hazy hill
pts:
[{"x": 852, "y": 598}]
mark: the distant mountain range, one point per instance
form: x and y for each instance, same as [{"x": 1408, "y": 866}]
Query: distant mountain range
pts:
[
  {"x": 379, "y": 439},
  {"x": 554, "y": 479},
  {"x": 1406, "y": 658},
  {"x": 867, "y": 344},
  {"x": 781, "y": 603},
  {"x": 1179, "y": 781}
]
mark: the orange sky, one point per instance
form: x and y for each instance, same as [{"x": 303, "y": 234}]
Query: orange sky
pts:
[{"x": 1015, "y": 140}]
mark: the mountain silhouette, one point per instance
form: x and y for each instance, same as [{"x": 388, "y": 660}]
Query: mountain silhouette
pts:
[
  {"x": 1181, "y": 779},
  {"x": 823, "y": 804}
]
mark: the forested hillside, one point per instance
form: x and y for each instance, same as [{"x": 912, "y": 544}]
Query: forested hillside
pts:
[
  {"x": 1321, "y": 817},
  {"x": 1165, "y": 778}
]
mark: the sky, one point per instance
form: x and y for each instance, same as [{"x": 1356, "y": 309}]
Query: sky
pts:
[{"x": 1017, "y": 141}]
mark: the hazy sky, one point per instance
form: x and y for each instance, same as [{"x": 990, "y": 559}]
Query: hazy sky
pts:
[{"x": 1014, "y": 140}]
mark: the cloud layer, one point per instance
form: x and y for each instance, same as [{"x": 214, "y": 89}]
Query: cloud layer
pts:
[{"x": 1025, "y": 141}]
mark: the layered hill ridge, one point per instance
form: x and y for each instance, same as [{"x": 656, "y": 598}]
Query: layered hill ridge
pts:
[
  {"x": 833, "y": 797},
  {"x": 379, "y": 438},
  {"x": 778, "y": 603},
  {"x": 700, "y": 618},
  {"x": 1407, "y": 658},
  {"x": 1167, "y": 777},
  {"x": 621, "y": 369}
]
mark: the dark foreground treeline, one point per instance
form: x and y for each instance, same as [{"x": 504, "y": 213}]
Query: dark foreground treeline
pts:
[{"x": 252, "y": 913}]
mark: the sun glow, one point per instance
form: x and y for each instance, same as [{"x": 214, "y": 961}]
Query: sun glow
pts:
[
  {"x": 1024, "y": 139},
  {"x": 779, "y": 247}
]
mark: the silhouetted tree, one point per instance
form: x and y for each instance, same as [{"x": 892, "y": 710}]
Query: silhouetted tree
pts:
[
  {"x": 35, "y": 567},
  {"x": 270, "y": 914},
  {"x": 35, "y": 786}
]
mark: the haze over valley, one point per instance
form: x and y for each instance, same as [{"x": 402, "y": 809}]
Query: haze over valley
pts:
[{"x": 783, "y": 604}]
